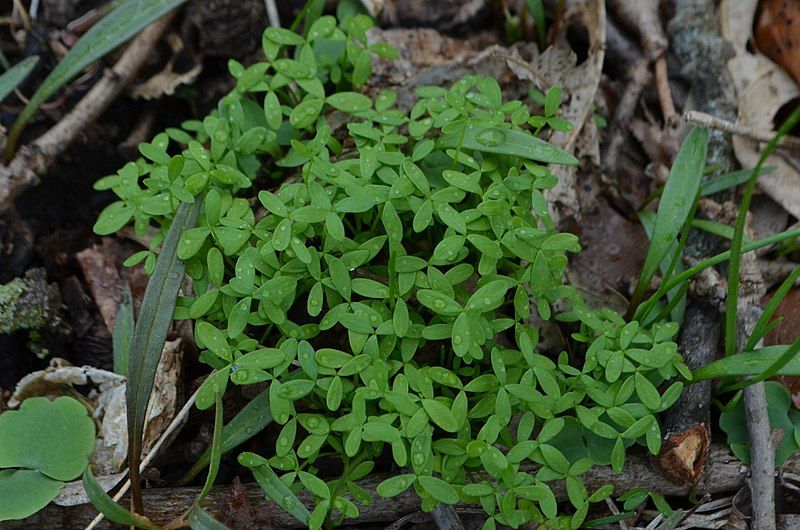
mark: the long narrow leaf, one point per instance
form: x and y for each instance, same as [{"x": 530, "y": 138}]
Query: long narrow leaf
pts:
[
  {"x": 199, "y": 519},
  {"x": 216, "y": 450},
  {"x": 10, "y": 80},
  {"x": 731, "y": 180},
  {"x": 116, "y": 28},
  {"x": 150, "y": 333},
  {"x": 110, "y": 509},
  {"x": 515, "y": 143},
  {"x": 749, "y": 364},
  {"x": 251, "y": 420},
  {"x": 536, "y": 9},
  {"x": 731, "y": 302},
  {"x": 123, "y": 332},
  {"x": 674, "y": 206},
  {"x": 679, "y": 306},
  {"x": 279, "y": 492}
]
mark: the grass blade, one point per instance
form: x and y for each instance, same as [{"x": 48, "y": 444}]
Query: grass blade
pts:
[
  {"x": 753, "y": 363},
  {"x": 250, "y": 421},
  {"x": 10, "y": 80},
  {"x": 110, "y": 509},
  {"x": 149, "y": 335},
  {"x": 730, "y": 180},
  {"x": 731, "y": 302},
  {"x": 116, "y": 28},
  {"x": 216, "y": 449},
  {"x": 536, "y": 9},
  {"x": 674, "y": 207},
  {"x": 199, "y": 519},
  {"x": 123, "y": 332}
]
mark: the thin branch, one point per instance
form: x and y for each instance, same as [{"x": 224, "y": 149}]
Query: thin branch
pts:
[
  {"x": 35, "y": 159},
  {"x": 664, "y": 92},
  {"x": 272, "y": 13},
  {"x": 712, "y": 122}
]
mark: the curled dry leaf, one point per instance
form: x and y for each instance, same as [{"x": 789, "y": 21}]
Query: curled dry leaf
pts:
[
  {"x": 107, "y": 399},
  {"x": 183, "y": 67},
  {"x": 763, "y": 88}
]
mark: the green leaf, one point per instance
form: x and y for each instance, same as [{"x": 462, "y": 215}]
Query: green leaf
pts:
[
  {"x": 394, "y": 486},
  {"x": 123, "y": 332},
  {"x": 748, "y": 364},
  {"x": 438, "y": 489},
  {"x": 199, "y": 519},
  {"x": 441, "y": 415},
  {"x": 248, "y": 422},
  {"x": 647, "y": 392},
  {"x": 110, "y": 509},
  {"x": 515, "y": 143},
  {"x": 216, "y": 450},
  {"x": 214, "y": 339},
  {"x": 109, "y": 33},
  {"x": 155, "y": 317},
  {"x": 488, "y": 297},
  {"x": 674, "y": 206},
  {"x": 112, "y": 218},
  {"x": 24, "y": 492},
  {"x": 274, "y": 487},
  {"x": 15, "y": 75},
  {"x": 439, "y": 303},
  {"x": 349, "y": 101},
  {"x": 53, "y": 437}
]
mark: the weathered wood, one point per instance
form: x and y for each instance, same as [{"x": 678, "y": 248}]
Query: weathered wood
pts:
[
  {"x": 686, "y": 423},
  {"x": 723, "y": 473}
]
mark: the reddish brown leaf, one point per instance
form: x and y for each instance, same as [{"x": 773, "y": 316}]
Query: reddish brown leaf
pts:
[{"x": 777, "y": 33}]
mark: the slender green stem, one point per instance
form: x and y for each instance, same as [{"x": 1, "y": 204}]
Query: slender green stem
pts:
[{"x": 738, "y": 235}]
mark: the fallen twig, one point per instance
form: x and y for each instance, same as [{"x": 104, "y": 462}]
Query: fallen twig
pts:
[
  {"x": 272, "y": 13},
  {"x": 712, "y": 122},
  {"x": 762, "y": 449},
  {"x": 664, "y": 92},
  {"x": 34, "y": 160}
]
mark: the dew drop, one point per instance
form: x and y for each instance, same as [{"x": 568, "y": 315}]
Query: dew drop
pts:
[{"x": 490, "y": 138}]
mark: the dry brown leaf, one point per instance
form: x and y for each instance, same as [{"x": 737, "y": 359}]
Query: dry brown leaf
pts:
[
  {"x": 763, "y": 88},
  {"x": 777, "y": 33},
  {"x": 107, "y": 399},
  {"x": 558, "y": 66},
  {"x": 182, "y": 68}
]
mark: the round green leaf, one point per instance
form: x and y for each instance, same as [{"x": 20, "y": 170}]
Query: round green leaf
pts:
[
  {"x": 54, "y": 437},
  {"x": 24, "y": 492}
]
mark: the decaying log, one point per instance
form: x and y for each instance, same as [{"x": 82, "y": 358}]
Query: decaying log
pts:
[
  {"x": 686, "y": 440},
  {"x": 723, "y": 473}
]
